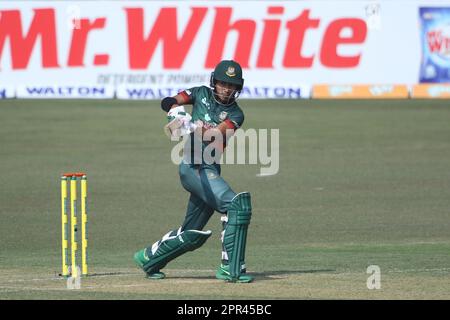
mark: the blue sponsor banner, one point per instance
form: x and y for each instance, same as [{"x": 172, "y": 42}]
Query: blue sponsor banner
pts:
[
  {"x": 65, "y": 92},
  {"x": 128, "y": 92},
  {"x": 146, "y": 93},
  {"x": 276, "y": 92},
  {"x": 435, "y": 43}
]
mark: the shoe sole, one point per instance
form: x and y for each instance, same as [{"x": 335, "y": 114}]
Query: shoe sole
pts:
[
  {"x": 239, "y": 280},
  {"x": 156, "y": 276},
  {"x": 226, "y": 277}
]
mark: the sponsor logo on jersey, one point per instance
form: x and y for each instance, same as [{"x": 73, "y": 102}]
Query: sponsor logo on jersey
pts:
[
  {"x": 223, "y": 115},
  {"x": 212, "y": 175}
]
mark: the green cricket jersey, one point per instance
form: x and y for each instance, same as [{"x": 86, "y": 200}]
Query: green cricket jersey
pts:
[{"x": 211, "y": 113}]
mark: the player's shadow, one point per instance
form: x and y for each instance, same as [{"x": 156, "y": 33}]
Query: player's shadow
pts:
[
  {"x": 264, "y": 276},
  {"x": 280, "y": 274}
]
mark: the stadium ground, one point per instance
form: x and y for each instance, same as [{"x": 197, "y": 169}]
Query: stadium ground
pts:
[{"x": 360, "y": 183}]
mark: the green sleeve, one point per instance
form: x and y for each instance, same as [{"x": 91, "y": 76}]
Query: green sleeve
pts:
[
  {"x": 237, "y": 118},
  {"x": 191, "y": 94}
]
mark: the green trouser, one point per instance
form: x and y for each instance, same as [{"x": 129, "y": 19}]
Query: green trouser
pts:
[{"x": 208, "y": 193}]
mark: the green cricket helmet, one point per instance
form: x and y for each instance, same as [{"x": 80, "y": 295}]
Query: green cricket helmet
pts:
[{"x": 227, "y": 71}]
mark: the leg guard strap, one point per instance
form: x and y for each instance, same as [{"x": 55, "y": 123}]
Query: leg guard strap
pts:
[{"x": 172, "y": 245}]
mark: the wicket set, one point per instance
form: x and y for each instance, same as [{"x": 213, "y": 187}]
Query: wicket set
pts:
[{"x": 69, "y": 183}]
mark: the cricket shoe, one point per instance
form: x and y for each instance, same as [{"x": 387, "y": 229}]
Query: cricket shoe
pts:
[
  {"x": 141, "y": 259},
  {"x": 223, "y": 273}
]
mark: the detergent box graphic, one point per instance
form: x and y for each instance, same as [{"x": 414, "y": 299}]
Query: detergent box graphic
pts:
[{"x": 435, "y": 43}]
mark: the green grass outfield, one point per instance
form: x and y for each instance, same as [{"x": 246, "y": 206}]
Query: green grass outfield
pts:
[{"x": 360, "y": 183}]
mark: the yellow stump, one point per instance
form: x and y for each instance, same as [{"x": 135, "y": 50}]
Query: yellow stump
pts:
[
  {"x": 73, "y": 178},
  {"x": 64, "y": 229},
  {"x": 73, "y": 223},
  {"x": 84, "y": 241}
]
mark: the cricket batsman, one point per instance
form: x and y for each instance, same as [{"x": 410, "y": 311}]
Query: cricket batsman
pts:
[{"x": 215, "y": 116}]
